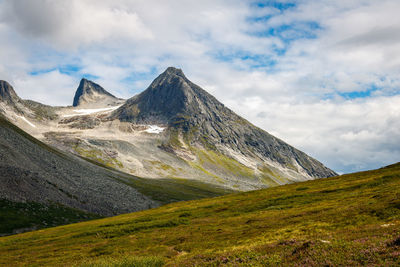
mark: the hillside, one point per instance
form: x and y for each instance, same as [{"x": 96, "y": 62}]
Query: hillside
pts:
[
  {"x": 41, "y": 186},
  {"x": 347, "y": 220}
]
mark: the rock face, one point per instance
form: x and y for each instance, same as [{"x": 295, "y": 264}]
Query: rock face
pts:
[
  {"x": 201, "y": 120},
  {"x": 7, "y": 93},
  {"x": 90, "y": 94}
]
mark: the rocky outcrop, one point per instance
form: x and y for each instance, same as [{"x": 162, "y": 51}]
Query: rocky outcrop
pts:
[
  {"x": 93, "y": 95},
  {"x": 7, "y": 93}
]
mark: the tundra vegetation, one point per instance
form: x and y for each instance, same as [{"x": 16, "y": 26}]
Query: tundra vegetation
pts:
[{"x": 346, "y": 220}]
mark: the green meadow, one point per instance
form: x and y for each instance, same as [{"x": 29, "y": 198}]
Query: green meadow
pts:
[{"x": 347, "y": 220}]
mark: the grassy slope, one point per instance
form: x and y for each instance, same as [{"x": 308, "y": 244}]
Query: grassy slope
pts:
[{"x": 347, "y": 220}]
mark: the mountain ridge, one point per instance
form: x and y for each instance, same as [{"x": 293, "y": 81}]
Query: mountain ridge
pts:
[{"x": 173, "y": 129}]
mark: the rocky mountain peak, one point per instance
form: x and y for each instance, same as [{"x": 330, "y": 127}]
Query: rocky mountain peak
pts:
[
  {"x": 202, "y": 120},
  {"x": 169, "y": 97},
  {"x": 174, "y": 71},
  {"x": 7, "y": 93},
  {"x": 90, "y": 93},
  {"x": 172, "y": 80}
]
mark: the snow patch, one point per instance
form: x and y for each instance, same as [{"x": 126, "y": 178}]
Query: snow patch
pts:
[
  {"x": 81, "y": 112},
  {"x": 28, "y": 122},
  {"x": 154, "y": 129}
]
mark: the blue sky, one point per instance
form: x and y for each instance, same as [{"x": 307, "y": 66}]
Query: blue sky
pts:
[{"x": 322, "y": 75}]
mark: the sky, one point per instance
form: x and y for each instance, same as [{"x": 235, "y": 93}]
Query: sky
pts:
[{"x": 324, "y": 76}]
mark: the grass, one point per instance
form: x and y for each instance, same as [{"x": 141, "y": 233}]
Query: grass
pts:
[
  {"x": 229, "y": 165},
  {"x": 99, "y": 156},
  {"x": 349, "y": 220},
  {"x": 31, "y": 215},
  {"x": 169, "y": 190},
  {"x": 124, "y": 262}
]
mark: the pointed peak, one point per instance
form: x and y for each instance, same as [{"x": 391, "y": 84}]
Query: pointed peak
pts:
[
  {"x": 172, "y": 78},
  {"x": 169, "y": 96},
  {"x": 174, "y": 71},
  {"x": 90, "y": 92},
  {"x": 7, "y": 92},
  {"x": 85, "y": 81},
  {"x": 4, "y": 84}
]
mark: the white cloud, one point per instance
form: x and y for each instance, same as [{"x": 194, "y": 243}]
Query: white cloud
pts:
[
  {"x": 41, "y": 88},
  {"x": 70, "y": 24},
  {"x": 354, "y": 46}
]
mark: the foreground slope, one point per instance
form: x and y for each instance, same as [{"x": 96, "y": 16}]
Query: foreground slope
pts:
[
  {"x": 41, "y": 186},
  {"x": 347, "y": 220}
]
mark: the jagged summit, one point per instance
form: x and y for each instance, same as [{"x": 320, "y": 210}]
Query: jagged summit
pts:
[
  {"x": 92, "y": 94},
  {"x": 7, "y": 93},
  {"x": 174, "y": 71},
  {"x": 169, "y": 97}
]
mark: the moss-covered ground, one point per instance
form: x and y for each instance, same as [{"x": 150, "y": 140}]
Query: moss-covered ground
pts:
[{"x": 349, "y": 220}]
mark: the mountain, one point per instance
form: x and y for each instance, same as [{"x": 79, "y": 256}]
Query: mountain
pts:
[
  {"x": 201, "y": 120},
  {"x": 93, "y": 95},
  {"x": 173, "y": 130},
  {"x": 348, "y": 220},
  {"x": 41, "y": 186}
]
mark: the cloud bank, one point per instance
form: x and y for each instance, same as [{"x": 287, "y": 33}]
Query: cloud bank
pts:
[{"x": 322, "y": 75}]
